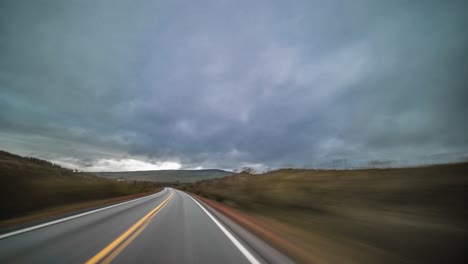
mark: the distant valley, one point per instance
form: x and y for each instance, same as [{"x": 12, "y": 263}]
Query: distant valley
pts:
[{"x": 167, "y": 176}]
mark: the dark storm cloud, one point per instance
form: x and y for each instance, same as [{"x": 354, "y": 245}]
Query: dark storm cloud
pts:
[{"x": 226, "y": 84}]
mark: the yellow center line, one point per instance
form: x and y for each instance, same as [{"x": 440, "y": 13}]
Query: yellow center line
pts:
[
  {"x": 122, "y": 246},
  {"x": 127, "y": 237}
]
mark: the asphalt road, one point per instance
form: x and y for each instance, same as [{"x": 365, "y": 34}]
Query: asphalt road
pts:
[{"x": 167, "y": 227}]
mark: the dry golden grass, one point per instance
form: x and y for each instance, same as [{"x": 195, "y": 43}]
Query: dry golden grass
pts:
[
  {"x": 29, "y": 185},
  {"x": 410, "y": 215}
]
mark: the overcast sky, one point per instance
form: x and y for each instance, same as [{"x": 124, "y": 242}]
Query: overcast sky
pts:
[{"x": 129, "y": 85}]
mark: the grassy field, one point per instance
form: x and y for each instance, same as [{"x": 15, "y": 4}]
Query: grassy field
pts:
[
  {"x": 166, "y": 176},
  {"x": 30, "y": 185},
  {"x": 409, "y": 215}
]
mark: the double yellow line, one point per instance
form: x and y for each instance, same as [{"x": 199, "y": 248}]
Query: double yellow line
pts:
[{"x": 107, "y": 254}]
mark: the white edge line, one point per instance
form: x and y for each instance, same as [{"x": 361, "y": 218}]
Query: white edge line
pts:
[
  {"x": 236, "y": 242},
  {"x": 24, "y": 230}
]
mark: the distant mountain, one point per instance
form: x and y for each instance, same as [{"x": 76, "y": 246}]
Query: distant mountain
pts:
[{"x": 167, "y": 176}]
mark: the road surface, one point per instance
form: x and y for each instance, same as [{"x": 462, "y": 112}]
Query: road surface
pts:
[{"x": 166, "y": 227}]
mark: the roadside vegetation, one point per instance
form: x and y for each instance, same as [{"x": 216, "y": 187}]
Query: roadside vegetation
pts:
[
  {"x": 30, "y": 185},
  {"x": 407, "y": 215}
]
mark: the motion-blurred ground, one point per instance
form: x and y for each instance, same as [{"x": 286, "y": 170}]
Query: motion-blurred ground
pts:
[{"x": 410, "y": 215}]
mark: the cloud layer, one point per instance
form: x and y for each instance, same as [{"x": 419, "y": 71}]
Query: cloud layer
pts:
[{"x": 232, "y": 83}]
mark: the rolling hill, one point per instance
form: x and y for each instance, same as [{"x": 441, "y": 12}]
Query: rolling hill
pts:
[
  {"x": 29, "y": 185},
  {"x": 398, "y": 215},
  {"x": 167, "y": 176}
]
